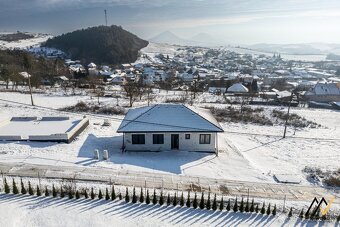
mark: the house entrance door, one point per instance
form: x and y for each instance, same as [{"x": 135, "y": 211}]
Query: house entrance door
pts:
[{"x": 174, "y": 141}]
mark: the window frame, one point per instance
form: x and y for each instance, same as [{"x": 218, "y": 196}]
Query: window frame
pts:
[
  {"x": 140, "y": 139},
  {"x": 187, "y": 136},
  {"x": 157, "y": 138},
  {"x": 205, "y": 139}
]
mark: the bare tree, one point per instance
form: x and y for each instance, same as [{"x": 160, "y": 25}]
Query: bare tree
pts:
[{"x": 132, "y": 91}]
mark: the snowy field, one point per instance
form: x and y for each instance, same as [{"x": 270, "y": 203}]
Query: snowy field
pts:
[
  {"x": 24, "y": 210},
  {"x": 26, "y": 43},
  {"x": 255, "y": 156}
]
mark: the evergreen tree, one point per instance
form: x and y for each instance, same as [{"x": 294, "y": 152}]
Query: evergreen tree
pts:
[
  {"x": 214, "y": 204},
  {"x": 246, "y": 209},
  {"x": 181, "y": 201},
  {"x": 161, "y": 199},
  {"x": 54, "y": 191},
  {"x": 141, "y": 196},
  {"x": 252, "y": 207},
  {"x": 301, "y": 214},
  {"x": 195, "y": 203},
  {"x": 113, "y": 193},
  {"x": 107, "y": 196},
  {"x": 274, "y": 210},
  {"x": 290, "y": 214},
  {"x": 154, "y": 198},
  {"x": 168, "y": 200},
  {"x": 235, "y": 208},
  {"x": 263, "y": 209},
  {"x": 92, "y": 194},
  {"x": 77, "y": 194},
  {"x": 100, "y": 194},
  {"x": 134, "y": 196},
  {"x": 208, "y": 205},
  {"x": 174, "y": 201},
  {"x": 147, "y": 199},
  {"x": 38, "y": 191},
  {"x": 15, "y": 188},
  {"x": 257, "y": 208},
  {"x": 70, "y": 194},
  {"x": 23, "y": 189},
  {"x": 242, "y": 206},
  {"x": 85, "y": 194},
  {"x": 188, "y": 202},
  {"x": 120, "y": 196},
  {"x": 47, "y": 193},
  {"x": 268, "y": 209},
  {"x": 30, "y": 189},
  {"x": 62, "y": 193},
  {"x": 221, "y": 204},
  {"x": 7, "y": 189},
  {"x": 228, "y": 205},
  {"x": 127, "y": 196},
  {"x": 201, "y": 206}
]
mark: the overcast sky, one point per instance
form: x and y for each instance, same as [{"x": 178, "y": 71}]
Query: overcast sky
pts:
[{"x": 234, "y": 21}]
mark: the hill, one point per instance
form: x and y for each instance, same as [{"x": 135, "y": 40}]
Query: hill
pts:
[
  {"x": 168, "y": 37},
  {"x": 102, "y": 45}
]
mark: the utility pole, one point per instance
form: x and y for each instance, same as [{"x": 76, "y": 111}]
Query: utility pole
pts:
[
  {"x": 105, "y": 17},
  {"x": 287, "y": 118}
]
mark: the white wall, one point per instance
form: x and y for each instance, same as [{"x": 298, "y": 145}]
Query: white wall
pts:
[{"x": 191, "y": 144}]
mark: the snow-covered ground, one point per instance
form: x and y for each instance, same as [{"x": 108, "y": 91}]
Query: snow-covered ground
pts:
[
  {"x": 247, "y": 157},
  {"x": 25, "y": 43},
  {"x": 24, "y": 210}
]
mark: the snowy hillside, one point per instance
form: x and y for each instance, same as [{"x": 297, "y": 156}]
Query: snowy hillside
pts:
[{"x": 25, "y": 43}]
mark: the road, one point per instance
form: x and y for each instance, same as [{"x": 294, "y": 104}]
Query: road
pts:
[{"x": 291, "y": 192}]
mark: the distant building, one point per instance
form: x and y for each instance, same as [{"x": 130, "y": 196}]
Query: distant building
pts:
[{"x": 324, "y": 92}]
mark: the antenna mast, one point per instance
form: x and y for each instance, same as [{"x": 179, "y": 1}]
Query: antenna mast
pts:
[{"x": 105, "y": 17}]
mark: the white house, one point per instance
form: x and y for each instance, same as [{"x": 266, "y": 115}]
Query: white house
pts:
[{"x": 170, "y": 127}]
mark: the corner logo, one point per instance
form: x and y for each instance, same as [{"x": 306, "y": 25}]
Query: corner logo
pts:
[{"x": 319, "y": 206}]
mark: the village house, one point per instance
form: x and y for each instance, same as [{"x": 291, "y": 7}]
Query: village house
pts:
[{"x": 164, "y": 127}]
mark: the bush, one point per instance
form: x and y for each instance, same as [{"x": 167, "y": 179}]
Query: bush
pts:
[
  {"x": 147, "y": 200},
  {"x": 228, "y": 206},
  {"x": 100, "y": 194},
  {"x": 268, "y": 210},
  {"x": 30, "y": 189},
  {"x": 77, "y": 194},
  {"x": 127, "y": 196},
  {"x": 141, "y": 196},
  {"x": 134, "y": 196},
  {"x": 23, "y": 189},
  {"x": 202, "y": 201},
  {"x": 15, "y": 188},
  {"x": 113, "y": 193},
  {"x": 195, "y": 203},
  {"x": 274, "y": 210},
  {"x": 47, "y": 193},
  {"x": 7, "y": 189},
  {"x": 38, "y": 191},
  {"x": 181, "y": 201},
  {"x": 168, "y": 200},
  {"x": 235, "y": 207},
  {"x": 107, "y": 196},
  {"x": 188, "y": 203},
  {"x": 154, "y": 198},
  {"x": 161, "y": 199},
  {"x": 54, "y": 191},
  {"x": 290, "y": 214},
  {"x": 263, "y": 209}
]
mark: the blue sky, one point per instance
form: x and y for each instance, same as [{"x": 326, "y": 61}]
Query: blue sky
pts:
[{"x": 233, "y": 21}]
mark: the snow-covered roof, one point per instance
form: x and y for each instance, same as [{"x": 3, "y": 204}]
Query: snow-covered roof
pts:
[
  {"x": 92, "y": 65},
  {"x": 169, "y": 118},
  {"x": 238, "y": 88}
]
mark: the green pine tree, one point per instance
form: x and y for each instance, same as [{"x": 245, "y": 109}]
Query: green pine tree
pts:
[
  {"x": 242, "y": 206},
  {"x": 274, "y": 210},
  {"x": 62, "y": 193},
  {"x": 30, "y": 189},
  {"x": 85, "y": 194},
  {"x": 174, "y": 201},
  {"x": 228, "y": 205},
  {"x": 134, "y": 196},
  {"x": 268, "y": 210},
  {"x": 208, "y": 204},
  {"x": 100, "y": 194},
  {"x": 113, "y": 193},
  {"x": 188, "y": 202},
  {"x": 290, "y": 214},
  {"x": 107, "y": 195},
  {"x": 235, "y": 207},
  {"x": 214, "y": 204},
  {"x": 38, "y": 191},
  {"x": 147, "y": 199},
  {"x": 247, "y": 209},
  {"x": 92, "y": 194},
  {"x": 181, "y": 201},
  {"x": 23, "y": 189},
  {"x": 54, "y": 191},
  {"x": 141, "y": 196},
  {"x": 7, "y": 189},
  {"x": 15, "y": 188},
  {"x": 252, "y": 207},
  {"x": 257, "y": 208},
  {"x": 127, "y": 196},
  {"x": 70, "y": 194},
  {"x": 301, "y": 214},
  {"x": 154, "y": 197},
  {"x": 47, "y": 193},
  {"x": 77, "y": 194},
  {"x": 221, "y": 204},
  {"x": 161, "y": 199},
  {"x": 195, "y": 202},
  {"x": 263, "y": 209},
  {"x": 201, "y": 206},
  {"x": 168, "y": 200}
]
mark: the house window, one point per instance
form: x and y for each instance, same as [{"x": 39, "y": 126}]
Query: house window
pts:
[
  {"x": 187, "y": 136},
  {"x": 138, "y": 139},
  {"x": 158, "y": 139},
  {"x": 204, "y": 138}
]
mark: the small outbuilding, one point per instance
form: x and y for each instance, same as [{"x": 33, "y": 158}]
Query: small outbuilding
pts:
[{"x": 170, "y": 127}]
